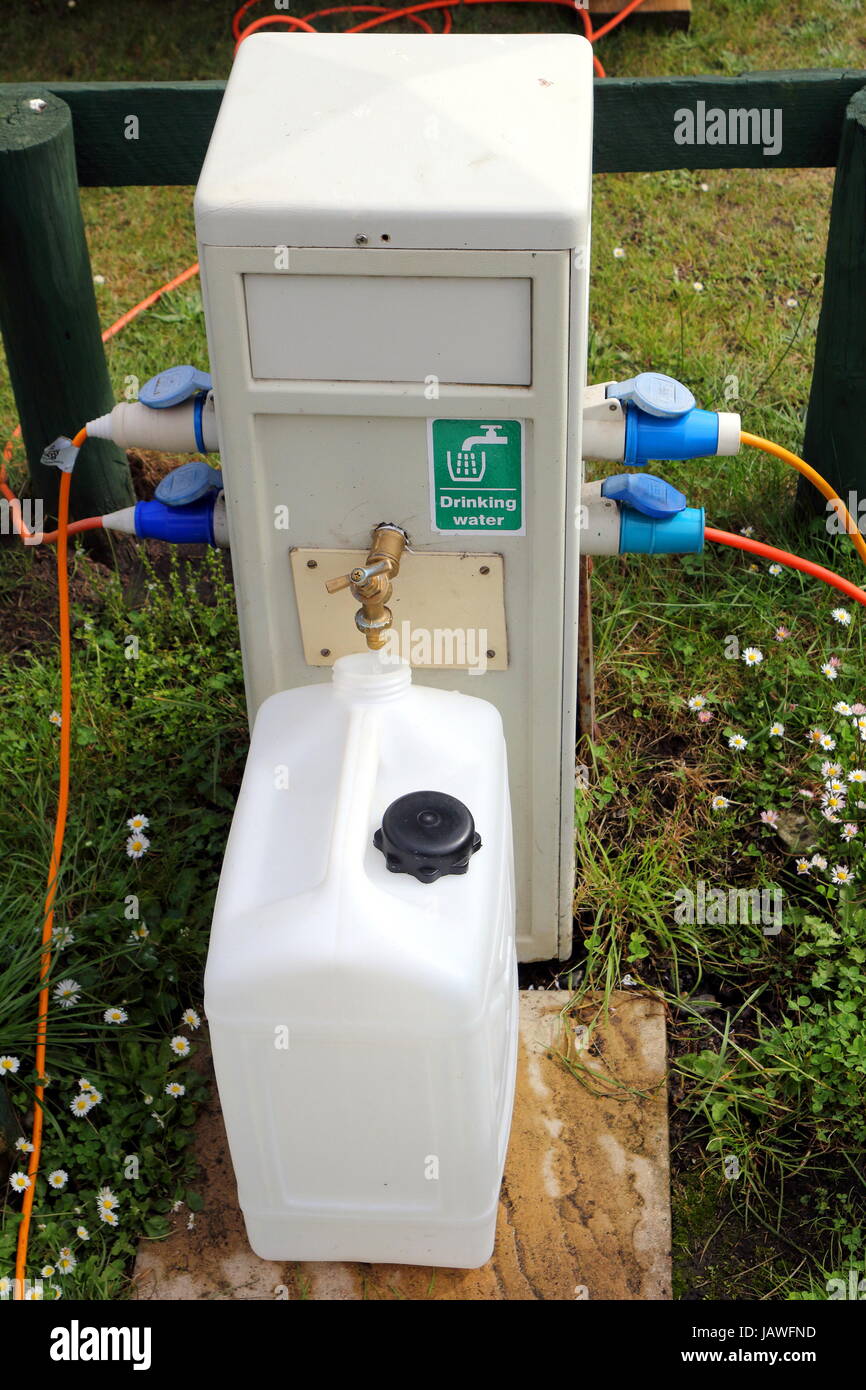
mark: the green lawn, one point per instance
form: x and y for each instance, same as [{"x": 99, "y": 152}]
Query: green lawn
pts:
[{"x": 767, "y": 1033}]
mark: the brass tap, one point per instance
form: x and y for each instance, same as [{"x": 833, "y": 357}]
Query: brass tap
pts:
[{"x": 371, "y": 583}]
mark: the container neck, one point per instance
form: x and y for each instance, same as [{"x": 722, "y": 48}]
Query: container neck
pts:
[{"x": 371, "y": 677}]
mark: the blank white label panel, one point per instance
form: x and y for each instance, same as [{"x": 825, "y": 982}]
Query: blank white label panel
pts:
[{"x": 469, "y": 330}]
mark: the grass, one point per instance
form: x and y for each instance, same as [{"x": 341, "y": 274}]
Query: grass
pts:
[{"x": 766, "y": 1032}]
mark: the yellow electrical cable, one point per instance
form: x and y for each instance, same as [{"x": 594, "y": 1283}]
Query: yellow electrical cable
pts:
[{"x": 756, "y": 441}]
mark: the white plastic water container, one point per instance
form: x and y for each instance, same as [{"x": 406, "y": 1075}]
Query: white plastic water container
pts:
[{"x": 364, "y": 1020}]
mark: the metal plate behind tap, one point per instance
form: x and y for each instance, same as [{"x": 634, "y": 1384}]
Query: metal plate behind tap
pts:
[{"x": 449, "y": 609}]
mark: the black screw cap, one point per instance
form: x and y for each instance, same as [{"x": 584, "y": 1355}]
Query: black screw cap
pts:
[{"x": 427, "y": 834}]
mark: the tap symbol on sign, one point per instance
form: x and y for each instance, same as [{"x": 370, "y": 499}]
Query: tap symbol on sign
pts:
[{"x": 469, "y": 466}]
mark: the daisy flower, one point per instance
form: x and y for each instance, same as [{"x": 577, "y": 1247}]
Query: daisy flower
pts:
[
  {"x": 618, "y": 253},
  {"x": 753, "y": 656},
  {"x": 138, "y": 822},
  {"x": 33, "y": 1294},
  {"x": 190, "y": 1018},
  {"x": 835, "y": 786},
  {"x": 47, "y": 1271},
  {"x": 81, "y": 1104},
  {"x": 841, "y": 616},
  {"x": 115, "y": 1015},
  {"x": 818, "y": 862},
  {"x": 55, "y": 719},
  {"x": 140, "y": 933},
  {"x": 174, "y": 1088},
  {"x": 85, "y": 1085},
  {"x": 815, "y": 735},
  {"x": 849, "y": 830},
  {"x": 833, "y": 801},
  {"x": 66, "y": 993},
  {"x": 62, "y": 937},
  {"x": 19, "y": 1182},
  {"x": 137, "y": 846},
  {"x": 5, "y": 1286},
  {"x": 94, "y": 1096},
  {"x": 831, "y": 769},
  {"x": 803, "y": 866},
  {"x": 24, "y": 1146},
  {"x": 830, "y": 671},
  {"x": 747, "y": 530},
  {"x": 827, "y": 742},
  {"x": 842, "y": 707},
  {"x": 697, "y": 702},
  {"x": 109, "y": 1218},
  {"x": 857, "y": 775},
  {"x": 58, "y": 1178},
  {"x": 10, "y": 1065},
  {"x": 66, "y": 1264},
  {"x": 704, "y": 716},
  {"x": 775, "y": 569},
  {"x": 180, "y": 1046},
  {"x": 720, "y": 803},
  {"x": 82, "y": 1233},
  {"x": 777, "y": 730},
  {"x": 782, "y": 633},
  {"x": 738, "y": 743},
  {"x": 770, "y": 817},
  {"x": 841, "y": 874},
  {"x": 106, "y": 1200}
]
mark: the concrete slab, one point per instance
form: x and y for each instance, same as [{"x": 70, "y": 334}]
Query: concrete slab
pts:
[{"x": 584, "y": 1211}]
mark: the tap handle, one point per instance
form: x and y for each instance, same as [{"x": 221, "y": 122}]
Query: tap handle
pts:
[{"x": 361, "y": 575}]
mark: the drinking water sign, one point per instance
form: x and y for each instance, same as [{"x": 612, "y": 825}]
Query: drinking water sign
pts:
[{"x": 476, "y": 475}]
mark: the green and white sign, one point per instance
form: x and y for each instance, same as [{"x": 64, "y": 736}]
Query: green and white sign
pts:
[{"x": 476, "y": 475}]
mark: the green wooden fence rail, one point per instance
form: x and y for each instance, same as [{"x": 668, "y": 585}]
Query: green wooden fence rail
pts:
[{"x": 634, "y": 131}]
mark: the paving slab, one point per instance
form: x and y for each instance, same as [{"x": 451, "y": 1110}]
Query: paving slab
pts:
[{"x": 585, "y": 1206}]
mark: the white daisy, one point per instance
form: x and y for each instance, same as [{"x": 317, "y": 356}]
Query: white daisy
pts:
[
  {"x": 180, "y": 1046},
  {"x": 738, "y": 743},
  {"x": 842, "y": 616},
  {"x": 138, "y": 822},
  {"x": 58, "y": 1178},
  {"x": 753, "y": 656},
  {"x": 67, "y": 993},
  {"x": 115, "y": 1015},
  {"x": 9, "y": 1065}
]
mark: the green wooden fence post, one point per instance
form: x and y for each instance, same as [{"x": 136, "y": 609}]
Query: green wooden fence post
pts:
[
  {"x": 47, "y": 304},
  {"x": 834, "y": 436}
]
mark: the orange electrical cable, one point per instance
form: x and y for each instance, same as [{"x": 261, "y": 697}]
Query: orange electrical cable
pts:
[
  {"x": 53, "y": 869},
  {"x": 784, "y": 557},
  {"x": 90, "y": 523},
  {"x": 412, "y": 13}
]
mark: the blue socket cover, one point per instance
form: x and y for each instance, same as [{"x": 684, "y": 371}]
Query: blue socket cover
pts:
[
  {"x": 644, "y": 493},
  {"x": 655, "y": 394},
  {"x": 188, "y": 483},
  {"x": 174, "y": 385}
]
